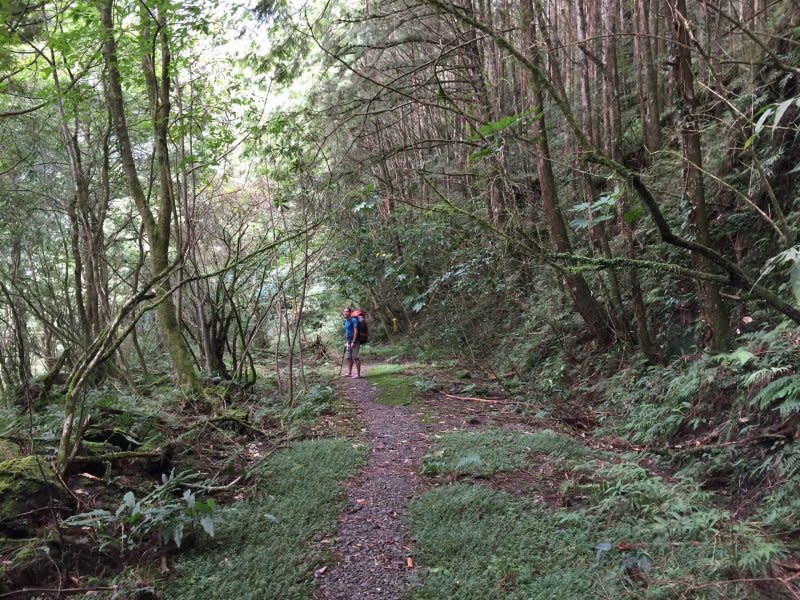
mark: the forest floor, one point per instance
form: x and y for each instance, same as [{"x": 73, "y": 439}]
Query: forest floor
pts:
[
  {"x": 555, "y": 537},
  {"x": 413, "y": 481},
  {"x": 375, "y": 555},
  {"x": 372, "y": 549}
]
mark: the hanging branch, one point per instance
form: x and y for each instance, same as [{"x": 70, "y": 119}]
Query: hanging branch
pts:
[{"x": 108, "y": 341}]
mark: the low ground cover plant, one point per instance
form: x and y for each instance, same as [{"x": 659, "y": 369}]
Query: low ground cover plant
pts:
[
  {"x": 267, "y": 546},
  {"x": 617, "y": 530},
  {"x": 395, "y": 385}
]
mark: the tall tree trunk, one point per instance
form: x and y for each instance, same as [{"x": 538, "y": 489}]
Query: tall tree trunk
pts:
[
  {"x": 713, "y": 309},
  {"x": 157, "y": 228},
  {"x": 614, "y": 149},
  {"x": 483, "y": 60},
  {"x": 585, "y": 303},
  {"x": 647, "y": 79},
  {"x": 590, "y": 123},
  {"x": 598, "y": 231},
  {"x": 76, "y": 208}
]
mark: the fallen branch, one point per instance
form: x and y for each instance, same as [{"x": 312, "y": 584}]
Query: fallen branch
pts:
[
  {"x": 113, "y": 456},
  {"x": 261, "y": 459},
  {"x": 37, "y": 591},
  {"x": 242, "y": 423},
  {"x": 748, "y": 440},
  {"x": 474, "y": 399},
  {"x": 213, "y": 488}
]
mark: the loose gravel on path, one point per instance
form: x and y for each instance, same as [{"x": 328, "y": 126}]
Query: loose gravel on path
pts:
[{"x": 374, "y": 555}]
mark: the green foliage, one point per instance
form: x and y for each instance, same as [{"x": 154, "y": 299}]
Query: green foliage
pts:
[
  {"x": 497, "y": 134},
  {"x": 395, "y": 387},
  {"x": 625, "y": 492},
  {"x": 310, "y": 404},
  {"x": 773, "y": 112},
  {"x": 627, "y": 531},
  {"x": 599, "y": 211},
  {"x": 754, "y": 384},
  {"x": 754, "y": 554},
  {"x": 301, "y": 416},
  {"x": 660, "y": 402},
  {"x": 168, "y": 511},
  {"x": 481, "y": 454},
  {"x": 479, "y": 543},
  {"x": 791, "y": 256},
  {"x": 733, "y": 404},
  {"x": 10, "y": 420},
  {"x": 782, "y": 394},
  {"x": 781, "y": 508},
  {"x": 267, "y": 547}
]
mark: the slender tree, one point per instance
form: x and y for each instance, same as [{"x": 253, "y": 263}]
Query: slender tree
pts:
[
  {"x": 715, "y": 313},
  {"x": 156, "y": 65},
  {"x": 579, "y": 290}
]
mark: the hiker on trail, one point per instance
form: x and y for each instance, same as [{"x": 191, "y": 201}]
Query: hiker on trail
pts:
[{"x": 352, "y": 344}]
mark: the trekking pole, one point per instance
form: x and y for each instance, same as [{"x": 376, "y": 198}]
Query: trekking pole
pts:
[{"x": 342, "y": 365}]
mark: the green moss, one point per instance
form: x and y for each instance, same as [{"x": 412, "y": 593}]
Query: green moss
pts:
[
  {"x": 8, "y": 450},
  {"x": 98, "y": 448},
  {"x": 24, "y": 484},
  {"x": 24, "y": 551},
  {"x": 25, "y": 559},
  {"x": 234, "y": 414},
  {"x": 395, "y": 387}
]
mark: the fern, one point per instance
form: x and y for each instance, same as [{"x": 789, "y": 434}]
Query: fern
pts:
[
  {"x": 789, "y": 407},
  {"x": 786, "y": 388},
  {"x": 790, "y": 461},
  {"x": 763, "y": 375},
  {"x": 739, "y": 357},
  {"x": 758, "y": 558}
]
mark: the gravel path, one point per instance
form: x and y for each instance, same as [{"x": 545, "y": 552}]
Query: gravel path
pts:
[{"x": 374, "y": 555}]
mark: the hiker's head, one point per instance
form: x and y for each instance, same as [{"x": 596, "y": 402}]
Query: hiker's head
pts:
[{"x": 346, "y": 311}]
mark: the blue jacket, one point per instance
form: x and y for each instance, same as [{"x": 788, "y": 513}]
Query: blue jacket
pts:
[{"x": 350, "y": 328}]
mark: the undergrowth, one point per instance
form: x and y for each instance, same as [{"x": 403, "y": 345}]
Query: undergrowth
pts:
[
  {"x": 728, "y": 421},
  {"x": 268, "y": 547},
  {"x": 482, "y": 454},
  {"x": 621, "y": 532}
]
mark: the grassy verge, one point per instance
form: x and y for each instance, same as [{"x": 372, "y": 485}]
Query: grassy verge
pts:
[
  {"x": 395, "y": 387},
  {"x": 609, "y": 529},
  {"x": 267, "y": 547},
  {"x": 486, "y": 453}
]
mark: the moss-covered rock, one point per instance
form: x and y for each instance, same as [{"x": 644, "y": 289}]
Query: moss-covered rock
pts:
[
  {"x": 26, "y": 562},
  {"x": 98, "y": 448},
  {"x": 126, "y": 430},
  {"x": 8, "y": 450},
  {"x": 233, "y": 418},
  {"x": 26, "y": 484}
]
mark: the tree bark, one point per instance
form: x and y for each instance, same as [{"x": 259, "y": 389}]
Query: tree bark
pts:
[
  {"x": 157, "y": 228},
  {"x": 614, "y": 149},
  {"x": 586, "y": 305},
  {"x": 714, "y": 312},
  {"x": 647, "y": 80}
]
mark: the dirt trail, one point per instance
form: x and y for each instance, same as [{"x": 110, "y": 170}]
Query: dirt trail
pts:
[{"x": 371, "y": 543}]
